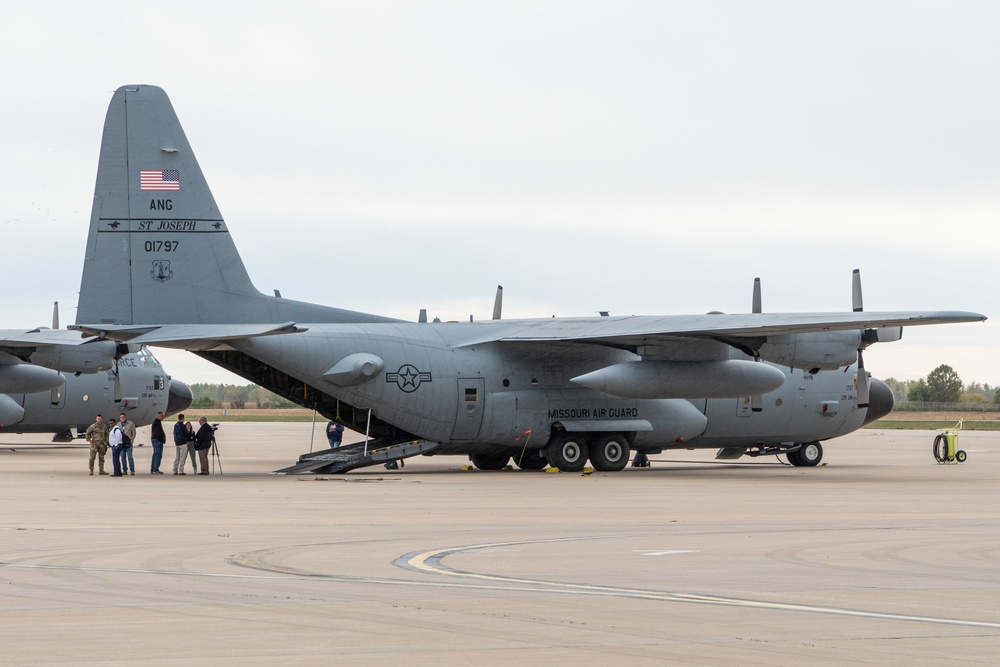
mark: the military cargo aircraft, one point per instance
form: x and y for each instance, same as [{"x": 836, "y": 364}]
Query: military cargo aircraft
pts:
[
  {"x": 52, "y": 380},
  {"x": 143, "y": 385},
  {"x": 554, "y": 391}
]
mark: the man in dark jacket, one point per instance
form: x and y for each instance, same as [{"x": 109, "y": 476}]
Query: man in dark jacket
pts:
[
  {"x": 202, "y": 443},
  {"x": 157, "y": 437},
  {"x": 181, "y": 442}
]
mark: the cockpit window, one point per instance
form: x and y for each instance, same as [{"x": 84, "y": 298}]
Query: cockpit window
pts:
[{"x": 147, "y": 359}]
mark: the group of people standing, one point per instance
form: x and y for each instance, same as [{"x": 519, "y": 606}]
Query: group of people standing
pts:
[
  {"x": 120, "y": 436},
  {"x": 187, "y": 442}
]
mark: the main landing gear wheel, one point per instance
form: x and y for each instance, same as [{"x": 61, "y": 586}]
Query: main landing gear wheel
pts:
[
  {"x": 531, "y": 459},
  {"x": 490, "y": 460},
  {"x": 810, "y": 455},
  {"x": 609, "y": 453},
  {"x": 568, "y": 452}
]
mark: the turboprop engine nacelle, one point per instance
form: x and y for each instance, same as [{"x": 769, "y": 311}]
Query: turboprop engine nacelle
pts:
[
  {"x": 684, "y": 379},
  {"x": 83, "y": 358},
  {"x": 28, "y": 379},
  {"x": 827, "y": 350}
]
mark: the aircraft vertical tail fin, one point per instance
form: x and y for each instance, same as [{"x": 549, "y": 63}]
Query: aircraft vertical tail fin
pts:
[{"x": 159, "y": 250}]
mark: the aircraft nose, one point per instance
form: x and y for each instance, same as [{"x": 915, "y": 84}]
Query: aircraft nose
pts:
[
  {"x": 180, "y": 397},
  {"x": 880, "y": 400}
]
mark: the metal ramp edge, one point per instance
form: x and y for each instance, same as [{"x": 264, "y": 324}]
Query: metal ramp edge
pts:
[{"x": 351, "y": 457}]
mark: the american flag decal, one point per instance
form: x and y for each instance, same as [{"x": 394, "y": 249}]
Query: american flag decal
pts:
[{"x": 160, "y": 179}]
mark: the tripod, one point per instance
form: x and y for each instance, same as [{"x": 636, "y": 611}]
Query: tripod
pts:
[{"x": 215, "y": 455}]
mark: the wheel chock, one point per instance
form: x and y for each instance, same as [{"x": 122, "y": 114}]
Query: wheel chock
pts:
[{"x": 551, "y": 469}]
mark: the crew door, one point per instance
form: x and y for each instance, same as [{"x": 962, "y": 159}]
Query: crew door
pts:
[{"x": 470, "y": 408}]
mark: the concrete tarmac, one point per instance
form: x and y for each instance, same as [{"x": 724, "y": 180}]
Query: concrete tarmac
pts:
[{"x": 879, "y": 556}]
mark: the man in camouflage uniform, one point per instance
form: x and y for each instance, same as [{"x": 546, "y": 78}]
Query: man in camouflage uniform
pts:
[{"x": 97, "y": 437}]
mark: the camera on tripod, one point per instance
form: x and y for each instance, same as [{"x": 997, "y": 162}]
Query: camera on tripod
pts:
[{"x": 215, "y": 427}]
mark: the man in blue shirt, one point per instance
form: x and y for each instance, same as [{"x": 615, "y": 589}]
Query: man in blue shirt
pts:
[{"x": 334, "y": 434}]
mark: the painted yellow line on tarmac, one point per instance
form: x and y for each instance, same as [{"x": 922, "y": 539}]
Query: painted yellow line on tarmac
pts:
[{"x": 430, "y": 562}]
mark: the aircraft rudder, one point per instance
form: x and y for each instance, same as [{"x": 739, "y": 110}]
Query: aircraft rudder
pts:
[{"x": 158, "y": 245}]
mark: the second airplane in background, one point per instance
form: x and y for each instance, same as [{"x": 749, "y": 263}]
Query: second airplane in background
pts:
[{"x": 54, "y": 381}]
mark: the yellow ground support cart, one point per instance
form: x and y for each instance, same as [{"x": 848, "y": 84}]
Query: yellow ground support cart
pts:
[{"x": 946, "y": 446}]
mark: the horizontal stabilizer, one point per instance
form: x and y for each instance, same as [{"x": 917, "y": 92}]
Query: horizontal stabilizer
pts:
[{"x": 190, "y": 336}]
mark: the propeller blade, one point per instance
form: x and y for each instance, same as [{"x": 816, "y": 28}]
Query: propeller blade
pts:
[
  {"x": 863, "y": 388},
  {"x": 498, "y": 303},
  {"x": 422, "y": 318},
  {"x": 55, "y": 315},
  {"x": 756, "y": 297},
  {"x": 118, "y": 383},
  {"x": 856, "y": 300}
]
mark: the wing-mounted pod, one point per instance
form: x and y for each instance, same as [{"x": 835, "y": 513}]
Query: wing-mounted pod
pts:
[
  {"x": 19, "y": 378},
  {"x": 355, "y": 369}
]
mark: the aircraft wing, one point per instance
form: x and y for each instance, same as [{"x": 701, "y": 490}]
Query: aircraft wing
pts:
[
  {"x": 40, "y": 337},
  {"x": 188, "y": 336},
  {"x": 637, "y": 330}
]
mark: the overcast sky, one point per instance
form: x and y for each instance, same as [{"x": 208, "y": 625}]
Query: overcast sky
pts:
[{"x": 642, "y": 158}]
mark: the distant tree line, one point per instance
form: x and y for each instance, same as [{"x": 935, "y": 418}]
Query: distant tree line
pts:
[
  {"x": 236, "y": 396},
  {"x": 943, "y": 385}
]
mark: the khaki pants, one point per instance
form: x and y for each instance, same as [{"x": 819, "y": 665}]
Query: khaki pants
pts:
[
  {"x": 97, "y": 450},
  {"x": 179, "y": 457},
  {"x": 203, "y": 460}
]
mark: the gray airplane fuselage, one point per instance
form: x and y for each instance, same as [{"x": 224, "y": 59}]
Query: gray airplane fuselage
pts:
[{"x": 473, "y": 397}]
